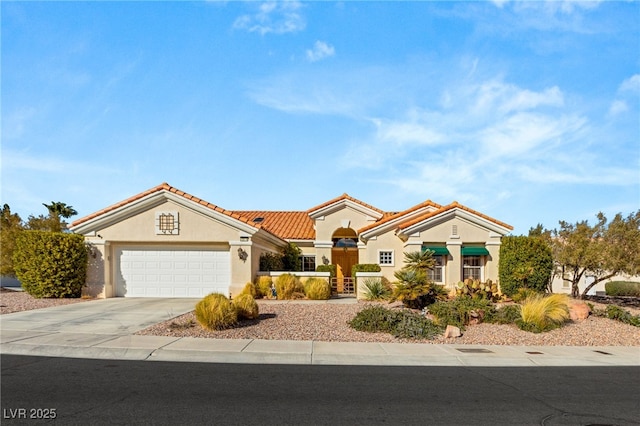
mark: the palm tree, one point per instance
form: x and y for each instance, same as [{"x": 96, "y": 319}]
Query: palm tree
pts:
[{"x": 59, "y": 209}]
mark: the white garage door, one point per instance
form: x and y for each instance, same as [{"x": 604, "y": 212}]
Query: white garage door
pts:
[{"x": 158, "y": 272}]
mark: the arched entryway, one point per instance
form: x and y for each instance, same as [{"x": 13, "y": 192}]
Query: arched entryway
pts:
[{"x": 344, "y": 255}]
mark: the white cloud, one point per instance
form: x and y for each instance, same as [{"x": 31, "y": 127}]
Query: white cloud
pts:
[
  {"x": 273, "y": 17},
  {"x": 632, "y": 84},
  {"x": 618, "y": 107},
  {"x": 321, "y": 50}
]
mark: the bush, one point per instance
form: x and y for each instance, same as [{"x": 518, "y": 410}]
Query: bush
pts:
[
  {"x": 617, "y": 313},
  {"x": 291, "y": 260},
  {"x": 263, "y": 286},
  {"x": 400, "y": 323},
  {"x": 524, "y": 293},
  {"x": 246, "y": 307},
  {"x": 317, "y": 289},
  {"x": 51, "y": 264},
  {"x": 376, "y": 289},
  {"x": 461, "y": 310},
  {"x": 250, "y": 289},
  {"x": 287, "y": 285},
  {"x": 507, "y": 314},
  {"x": 415, "y": 291},
  {"x": 622, "y": 288},
  {"x": 331, "y": 269},
  {"x": 365, "y": 267},
  {"x": 543, "y": 313},
  {"x": 524, "y": 262},
  {"x": 271, "y": 262},
  {"x": 216, "y": 312}
]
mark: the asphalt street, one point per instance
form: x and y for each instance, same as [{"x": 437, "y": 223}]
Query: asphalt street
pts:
[{"x": 96, "y": 392}]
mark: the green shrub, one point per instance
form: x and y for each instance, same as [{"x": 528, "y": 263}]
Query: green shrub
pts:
[
  {"x": 246, "y": 307},
  {"x": 414, "y": 290},
  {"x": 617, "y": 313},
  {"x": 507, "y": 314},
  {"x": 51, "y": 264},
  {"x": 331, "y": 269},
  {"x": 524, "y": 293},
  {"x": 543, "y": 313},
  {"x": 287, "y": 285},
  {"x": 271, "y": 262},
  {"x": 376, "y": 289},
  {"x": 365, "y": 267},
  {"x": 263, "y": 286},
  {"x": 216, "y": 312},
  {"x": 400, "y": 323},
  {"x": 250, "y": 289},
  {"x": 317, "y": 289},
  {"x": 461, "y": 310},
  {"x": 622, "y": 288},
  {"x": 524, "y": 262}
]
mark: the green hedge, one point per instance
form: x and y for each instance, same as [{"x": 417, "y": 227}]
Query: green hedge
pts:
[
  {"x": 365, "y": 267},
  {"x": 327, "y": 268},
  {"x": 622, "y": 288},
  {"x": 51, "y": 264},
  {"x": 525, "y": 262}
]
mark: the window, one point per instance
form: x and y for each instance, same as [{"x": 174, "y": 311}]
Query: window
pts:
[
  {"x": 308, "y": 263},
  {"x": 385, "y": 257},
  {"x": 437, "y": 273},
  {"x": 472, "y": 267}
]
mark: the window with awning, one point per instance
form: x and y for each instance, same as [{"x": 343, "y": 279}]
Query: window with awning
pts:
[
  {"x": 437, "y": 250},
  {"x": 475, "y": 251}
]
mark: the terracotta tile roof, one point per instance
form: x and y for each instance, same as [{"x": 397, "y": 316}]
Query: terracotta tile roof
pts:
[
  {"x": 452, "y": 206},
  {"x": 292, "y": 225},
  {"x": 391, "y": 216},
  {"x": 162, "y": 187},
  {"x": 345, "y": 196}
]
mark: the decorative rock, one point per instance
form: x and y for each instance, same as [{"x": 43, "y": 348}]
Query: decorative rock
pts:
[
  {"x": 579, "y": 311},
  {"x": 452, "y": 332}
]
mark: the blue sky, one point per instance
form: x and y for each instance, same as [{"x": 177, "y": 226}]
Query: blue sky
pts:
[{"x": 525, "y": 111}]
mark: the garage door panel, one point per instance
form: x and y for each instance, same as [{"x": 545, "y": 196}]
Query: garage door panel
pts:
[{"x": 172, "y": 272}]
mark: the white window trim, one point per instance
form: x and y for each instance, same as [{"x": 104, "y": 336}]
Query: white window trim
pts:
[
  {"x": 393, "y": 256},
  {"x": 443, "y": 268},
  {"x": 481, "y": 266}
]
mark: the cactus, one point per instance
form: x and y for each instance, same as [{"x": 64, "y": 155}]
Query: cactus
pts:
[{"x": 479, "y": 290}]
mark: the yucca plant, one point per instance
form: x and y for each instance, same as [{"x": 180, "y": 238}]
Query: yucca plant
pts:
[
  {"x": 246, "y": 306},
  {"x": 543, "y": 313},
  {"x": 317, "y": 289},
  {"x": 376, "y": 289},
  {"x": 216, "y": 312}
]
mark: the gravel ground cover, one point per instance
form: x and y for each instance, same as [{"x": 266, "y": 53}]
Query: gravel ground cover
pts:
[
  {"x": 17, "y": 301},
  {"x": 328, "y": 322}
]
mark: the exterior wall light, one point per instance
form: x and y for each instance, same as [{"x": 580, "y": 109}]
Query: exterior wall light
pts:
[{"x": 242, "y": 254}]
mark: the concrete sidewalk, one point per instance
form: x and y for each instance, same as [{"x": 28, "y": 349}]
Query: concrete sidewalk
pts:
[
  {"x": 188, "y": 349},
  {"x": 105, "y": 329}
]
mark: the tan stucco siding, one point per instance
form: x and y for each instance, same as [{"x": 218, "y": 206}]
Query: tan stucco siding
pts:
[
  {"x": 193, "y": 227},
  {"x": 329, "y": 224}
]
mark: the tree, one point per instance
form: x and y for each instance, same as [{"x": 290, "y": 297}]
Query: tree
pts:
[
  {"x": 413, "y": 288},
  {"x": 604, "y": 249},
  {"x": 525, "y": 262},
  {"x": 53, "y": 222},
  {"x": 291, "y": 258},
  {"x": 10, "y": 226}
]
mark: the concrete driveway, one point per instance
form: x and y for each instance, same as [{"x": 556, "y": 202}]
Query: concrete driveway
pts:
[{"x": 119, "y": 316}]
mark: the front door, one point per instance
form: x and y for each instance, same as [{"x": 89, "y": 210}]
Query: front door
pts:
[{"x": 344, "y": 258}]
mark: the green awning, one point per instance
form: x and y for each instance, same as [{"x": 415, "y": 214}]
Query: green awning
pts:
[
  {"x": 475, "y": 251},
  {"x": 437, "y": 251}
]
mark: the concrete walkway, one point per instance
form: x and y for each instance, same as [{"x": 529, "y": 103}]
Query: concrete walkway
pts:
[{"x": 104, "y": 329}]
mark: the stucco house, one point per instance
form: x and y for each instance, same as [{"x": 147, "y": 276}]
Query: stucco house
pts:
[{"x": 165, "y": 242}]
